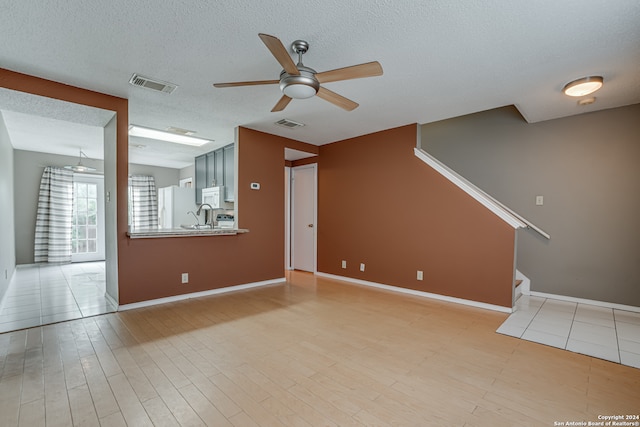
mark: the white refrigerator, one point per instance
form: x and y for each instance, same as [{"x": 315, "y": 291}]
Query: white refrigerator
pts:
[{"x": 174, "y": 203}]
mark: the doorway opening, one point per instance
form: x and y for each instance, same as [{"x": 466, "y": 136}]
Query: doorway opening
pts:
[{"x": 38, "y": 294}]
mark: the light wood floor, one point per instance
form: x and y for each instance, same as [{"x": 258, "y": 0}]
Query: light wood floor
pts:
[{"x": 312, "y": 352}]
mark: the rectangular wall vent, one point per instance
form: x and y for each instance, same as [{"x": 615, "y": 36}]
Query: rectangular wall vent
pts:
[
  {"x": 148, "y": 83},
  {"x": 289, "y": 124}
]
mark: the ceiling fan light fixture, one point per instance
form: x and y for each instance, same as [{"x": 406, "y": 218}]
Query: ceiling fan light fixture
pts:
[
  {"x": 583, "y": 86},
  {"x": 301, "y": 86},
  {"x": 299, "y": 91}
]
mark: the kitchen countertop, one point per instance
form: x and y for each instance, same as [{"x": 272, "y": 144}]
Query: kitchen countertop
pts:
[{"x": 150, "y": 233}]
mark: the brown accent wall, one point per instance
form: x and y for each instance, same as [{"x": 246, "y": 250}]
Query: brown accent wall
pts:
[
  {"x": 380, "y": 205},
  {"x": 154, "y": 265}
]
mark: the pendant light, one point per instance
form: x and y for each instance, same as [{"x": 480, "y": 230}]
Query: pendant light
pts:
[{"x": 80, "y": 167}]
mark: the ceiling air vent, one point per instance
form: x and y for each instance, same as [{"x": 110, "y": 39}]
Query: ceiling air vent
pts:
[
  {"x": 148, "y": 83},
  {"x": 289, "y": 124}
]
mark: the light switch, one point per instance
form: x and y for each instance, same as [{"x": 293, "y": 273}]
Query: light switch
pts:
[{"x": 539, "y": 200}]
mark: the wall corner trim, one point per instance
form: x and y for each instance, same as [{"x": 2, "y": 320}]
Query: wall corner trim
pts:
[
  {"x": 111, "y": 301},
  {"x": 422, "y": 294},
  {"x": 507, "y": 215},
  {"x": 217, "y": 291}
]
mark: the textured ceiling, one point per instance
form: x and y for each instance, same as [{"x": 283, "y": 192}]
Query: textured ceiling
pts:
[{"x": 441, "y": 58}]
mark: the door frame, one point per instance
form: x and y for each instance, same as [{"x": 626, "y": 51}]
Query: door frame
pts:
[
  {"x": 287, "y": 218},
  {"x": 292, "y": 205}
]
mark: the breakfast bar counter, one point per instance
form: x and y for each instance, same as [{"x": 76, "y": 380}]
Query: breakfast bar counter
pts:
[{"x": 151, "y": 233}]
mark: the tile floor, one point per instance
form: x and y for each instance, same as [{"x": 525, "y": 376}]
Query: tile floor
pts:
[
  {"x": 43, "y": 293},
  {"x": 605, "y": 333}
]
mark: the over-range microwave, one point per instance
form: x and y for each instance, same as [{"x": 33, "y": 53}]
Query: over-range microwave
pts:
[{"x": 213, "y": 196}]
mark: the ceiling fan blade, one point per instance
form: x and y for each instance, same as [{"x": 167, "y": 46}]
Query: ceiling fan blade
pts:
[
  {"x": 370, "y": 69},
  {"x": 253, "y": 83},
  {"x": 281, "y": 104},
  {"x": 336, "y": 99},
  {"x": 280, "y": 53}
]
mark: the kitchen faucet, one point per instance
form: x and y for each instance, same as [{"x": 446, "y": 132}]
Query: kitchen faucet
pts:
[{"x": 208, "y": 218}]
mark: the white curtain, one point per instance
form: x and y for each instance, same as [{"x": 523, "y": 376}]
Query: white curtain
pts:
[
  {"x": 143, "y": 202},
  {"x": 54, "y": 216}
]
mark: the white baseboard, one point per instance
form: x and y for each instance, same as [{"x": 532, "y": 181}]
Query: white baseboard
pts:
[
  {"x": 3, "y": 296},
  {"x": 175, "y": 298},
  {"x": 587, "y": 301},
  {"x": 111, "y": 301},
  {"x": 419, "y": 293}
]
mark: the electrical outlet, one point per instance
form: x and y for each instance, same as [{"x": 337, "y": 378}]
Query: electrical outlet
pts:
[
  {"x": 344, "y": 263},
  {"x": 420, "y": 275},
  {"x": 185, "y": 277},
  {"x": 362, "y": 266},
  {"x": 539, "y": 200}
]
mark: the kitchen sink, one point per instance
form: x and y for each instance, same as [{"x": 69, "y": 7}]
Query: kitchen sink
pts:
[{"x": 196, "y": 226}]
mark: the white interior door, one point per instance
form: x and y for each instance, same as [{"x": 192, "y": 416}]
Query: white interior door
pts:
[
  {"x": 287, "y": 218},
  {"x": 303, "y": 217},
  {"x": 87, "y": 241}
]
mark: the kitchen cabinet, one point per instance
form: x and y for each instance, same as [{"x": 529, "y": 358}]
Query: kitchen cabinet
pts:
[
  {"x": 229, "y": 173},
  {"x": 219, "y": 167},
  {"x": 211, "y": 170},
  {"x": 216, "y": 168},
  {"x": 201, "y": 176}
]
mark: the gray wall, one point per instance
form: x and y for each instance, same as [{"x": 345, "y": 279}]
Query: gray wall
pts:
[
  {"x": 164, "y": 177},
  {"x": 28, "y": 171},
  {"x": 7, "y": 219},
  {"x": 189, "y": 172},
  {"x": 587, "y": 167}
]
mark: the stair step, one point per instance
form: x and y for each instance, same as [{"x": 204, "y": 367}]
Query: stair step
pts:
[{"x": 518, "y": 292}]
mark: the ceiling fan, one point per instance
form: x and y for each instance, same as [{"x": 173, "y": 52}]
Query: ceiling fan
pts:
[{"x": 300, "y": 82}]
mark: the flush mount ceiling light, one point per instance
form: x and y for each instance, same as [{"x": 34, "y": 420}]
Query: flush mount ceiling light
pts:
[
  {"x": 80, "y": 167},
  {"x": 143, "y": 132},
  {"x": 583, "y": 86}
]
